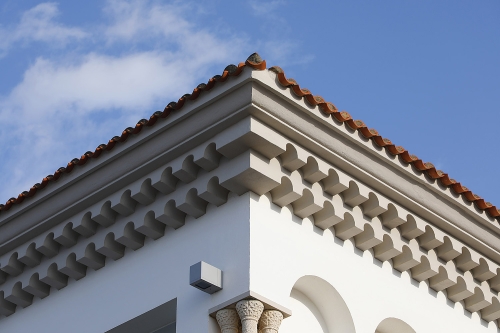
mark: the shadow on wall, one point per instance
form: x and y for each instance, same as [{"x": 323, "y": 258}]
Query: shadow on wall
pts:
[
  {"x": 393, "y": 325},
  {"x": 317, "y": 307}
]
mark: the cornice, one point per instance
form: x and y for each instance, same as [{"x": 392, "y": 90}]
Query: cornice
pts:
[
  {"x": 343, "y": 118},
  {"x": 250, "y": 156},
  {"x": 435, "y": 180},
  {"x": 223, "y": 106},
  {"x": 337, "y": 143}
]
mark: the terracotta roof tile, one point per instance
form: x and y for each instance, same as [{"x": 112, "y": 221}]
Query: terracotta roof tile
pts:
[{"x": 254, "y": 61}]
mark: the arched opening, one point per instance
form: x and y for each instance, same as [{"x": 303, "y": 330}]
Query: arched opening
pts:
[
  {"x": 317, "y": 307},
  {"x": 394, "y": 325}
]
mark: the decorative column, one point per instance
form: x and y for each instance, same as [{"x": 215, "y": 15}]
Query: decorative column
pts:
[
  {"x": 249, "y": 312},
  {"x": 270, "y": 321},
  {"x": 228, "y": 320}
]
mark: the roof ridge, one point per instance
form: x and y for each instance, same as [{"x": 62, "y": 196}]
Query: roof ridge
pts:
[{"x": 254, "y": 61}]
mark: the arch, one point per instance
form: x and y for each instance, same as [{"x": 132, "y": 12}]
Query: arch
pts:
[
  {"x": 317, "y": 307},
  {"x": 394, "y": 325}
]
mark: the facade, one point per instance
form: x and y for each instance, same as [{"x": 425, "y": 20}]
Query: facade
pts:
[{"x": 316, "y": 223}]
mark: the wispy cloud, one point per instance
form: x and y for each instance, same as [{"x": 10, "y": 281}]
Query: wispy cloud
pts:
[
  {"x": 38, "y": 25},
  {"x": 64, "y": 106},
  {"x": 133, "y": 19},
  {"x": 93, "y": 83}
]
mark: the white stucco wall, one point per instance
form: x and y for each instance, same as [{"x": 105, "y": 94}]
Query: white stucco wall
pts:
[
  {"x": 262, "y": 248},
  {"x": 285, "y": 248}
]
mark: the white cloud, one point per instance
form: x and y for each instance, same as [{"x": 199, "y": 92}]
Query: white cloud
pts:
[
  {"x": 97, "y": 82},
  {"x": 133, "y": 19},
  {"x": 38, "y": 24},
  {"x": 167, "y": 25},
  {"x": 65, "y": 106}
]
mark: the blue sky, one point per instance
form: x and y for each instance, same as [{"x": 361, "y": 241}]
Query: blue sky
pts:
[{"x": 425, "y": 74}]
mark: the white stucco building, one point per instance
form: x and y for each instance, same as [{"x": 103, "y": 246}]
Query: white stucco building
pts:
[{"x": 308, "y": 214}]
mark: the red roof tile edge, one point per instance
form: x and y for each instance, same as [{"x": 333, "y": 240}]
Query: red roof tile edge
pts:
[{"x": 254, "y": 61}]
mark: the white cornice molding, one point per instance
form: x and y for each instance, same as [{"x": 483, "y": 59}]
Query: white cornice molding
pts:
[
  {"x": 352, "y": 149},
  {"x": 285, "y": 150},
  {"x": 349, "y": 151},
  {"x": 220, "y": 108},
  {"x": 265, "y": 163}
]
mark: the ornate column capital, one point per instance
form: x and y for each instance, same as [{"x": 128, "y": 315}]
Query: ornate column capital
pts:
[
  {"x": 249, "y": 312},
  {"x": 228, "y": 320},
  {"x": 270, "y": 321}
]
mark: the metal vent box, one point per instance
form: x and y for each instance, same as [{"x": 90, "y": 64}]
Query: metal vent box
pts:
[{"x": 205, "y": 277}]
